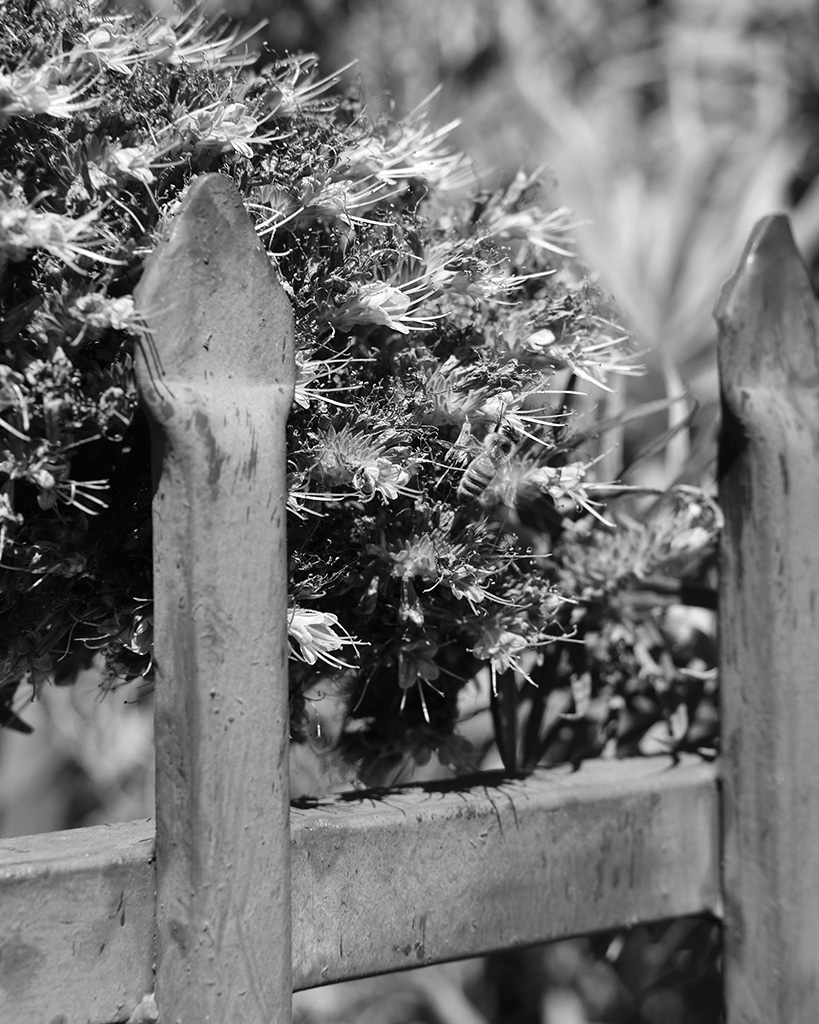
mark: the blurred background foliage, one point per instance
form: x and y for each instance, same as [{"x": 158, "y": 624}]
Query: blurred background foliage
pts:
[{"x": 669, "y": 128}]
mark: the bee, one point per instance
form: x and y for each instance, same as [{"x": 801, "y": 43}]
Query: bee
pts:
[{"x": 498, "y": 446}]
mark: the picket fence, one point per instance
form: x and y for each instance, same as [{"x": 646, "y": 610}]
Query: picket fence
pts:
[{"x": 232, "y": 900}]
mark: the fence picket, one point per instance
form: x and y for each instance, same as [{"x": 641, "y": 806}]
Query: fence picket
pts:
[
  {"x": 769, "y": 614},
  {"x": 217, "y": 382}
]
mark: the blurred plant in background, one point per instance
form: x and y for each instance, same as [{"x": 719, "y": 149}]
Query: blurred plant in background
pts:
[
  {"x": 660, "y": 974},
  {"x": 88, "y": 761}
]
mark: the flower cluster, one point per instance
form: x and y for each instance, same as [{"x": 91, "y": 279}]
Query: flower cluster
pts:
[{"x": 443, "y": 509}]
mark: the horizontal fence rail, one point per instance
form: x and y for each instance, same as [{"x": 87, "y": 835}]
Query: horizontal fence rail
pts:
[
  {"x": 431, "y": 875},
  {"x": 379, "y": 883}
]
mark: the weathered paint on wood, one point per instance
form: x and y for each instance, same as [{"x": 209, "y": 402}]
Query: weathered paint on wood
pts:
[
  {"x": 413, "y": 877},
  {"x": 77, "y": 924},
  {"x": 217, "y": 381},
  {"x": 769, "y": 652},
  {"x": 427, "y": 876}
]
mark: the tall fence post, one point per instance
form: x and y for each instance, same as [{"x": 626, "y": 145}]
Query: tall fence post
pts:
[
  {"x": 769, "y": 625},
  {"x": 216, "y": 378}
]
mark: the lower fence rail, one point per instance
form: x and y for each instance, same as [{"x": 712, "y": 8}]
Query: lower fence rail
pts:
[{"x": 380, "y": 882}]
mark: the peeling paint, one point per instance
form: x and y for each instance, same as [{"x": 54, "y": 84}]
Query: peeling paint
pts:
[
  {"x": 180, "y": 935},
  {"x": 215, "y": 457}
]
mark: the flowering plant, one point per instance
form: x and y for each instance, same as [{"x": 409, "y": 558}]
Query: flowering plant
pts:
[{"x": 446, "y": 523}]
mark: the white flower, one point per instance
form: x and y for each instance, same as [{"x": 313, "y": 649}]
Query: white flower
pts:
[
  {"x": 564, "y": 483},
  {"x": 311, "y": 372},
  {"x": 512, "y": 216},
  {"x": 8, "y": 517},
  {"x": 385, "y": 478},
  {"x": 134, "y": 162},
  {"x": 416, "y": 666},
  {"x": 23, "y": 228},
  {"x": 382, "y": 304},
  {"x": 108, "y": 47},
  {"x": 298, "y": 88},
  {"x": 460, "y": 395},
  {"x": 30, "y": 91},
  {"x": 590, "y": 354},
  {"x": 543, "y": 230},
  {"x": 319, "y": 198},
  {"x": 100, "y": 312},
  {"x": 411, "y": 151},
  {"x": 414, "y": 557},
  {"x": 220, "y": 127},
  {"x": 13, "y": 398},
  {"x": 82, "y": 494},
  {"x": 372, "y": 462},
  {"x": 187, "y": 40},
  {"x": 502, "y": 648},
  {"x": 315, "y": 635},
  {"x": 466, "y": 582}
]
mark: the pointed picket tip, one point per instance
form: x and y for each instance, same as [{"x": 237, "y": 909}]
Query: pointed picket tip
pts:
[
  {"x": 768, "y": 315},
  {"x": 770, "y": 250},
  {"x": 215, "y": 308}
]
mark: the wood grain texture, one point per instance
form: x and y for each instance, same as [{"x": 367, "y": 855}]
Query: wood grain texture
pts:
[
  {"x": 769, "y": 626},
  {"x": 379, "y": 883},
  {"x": 429, "y": 875},
  {"x": 217, "y": 381},
  {"x": 77, "y": 924}
]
